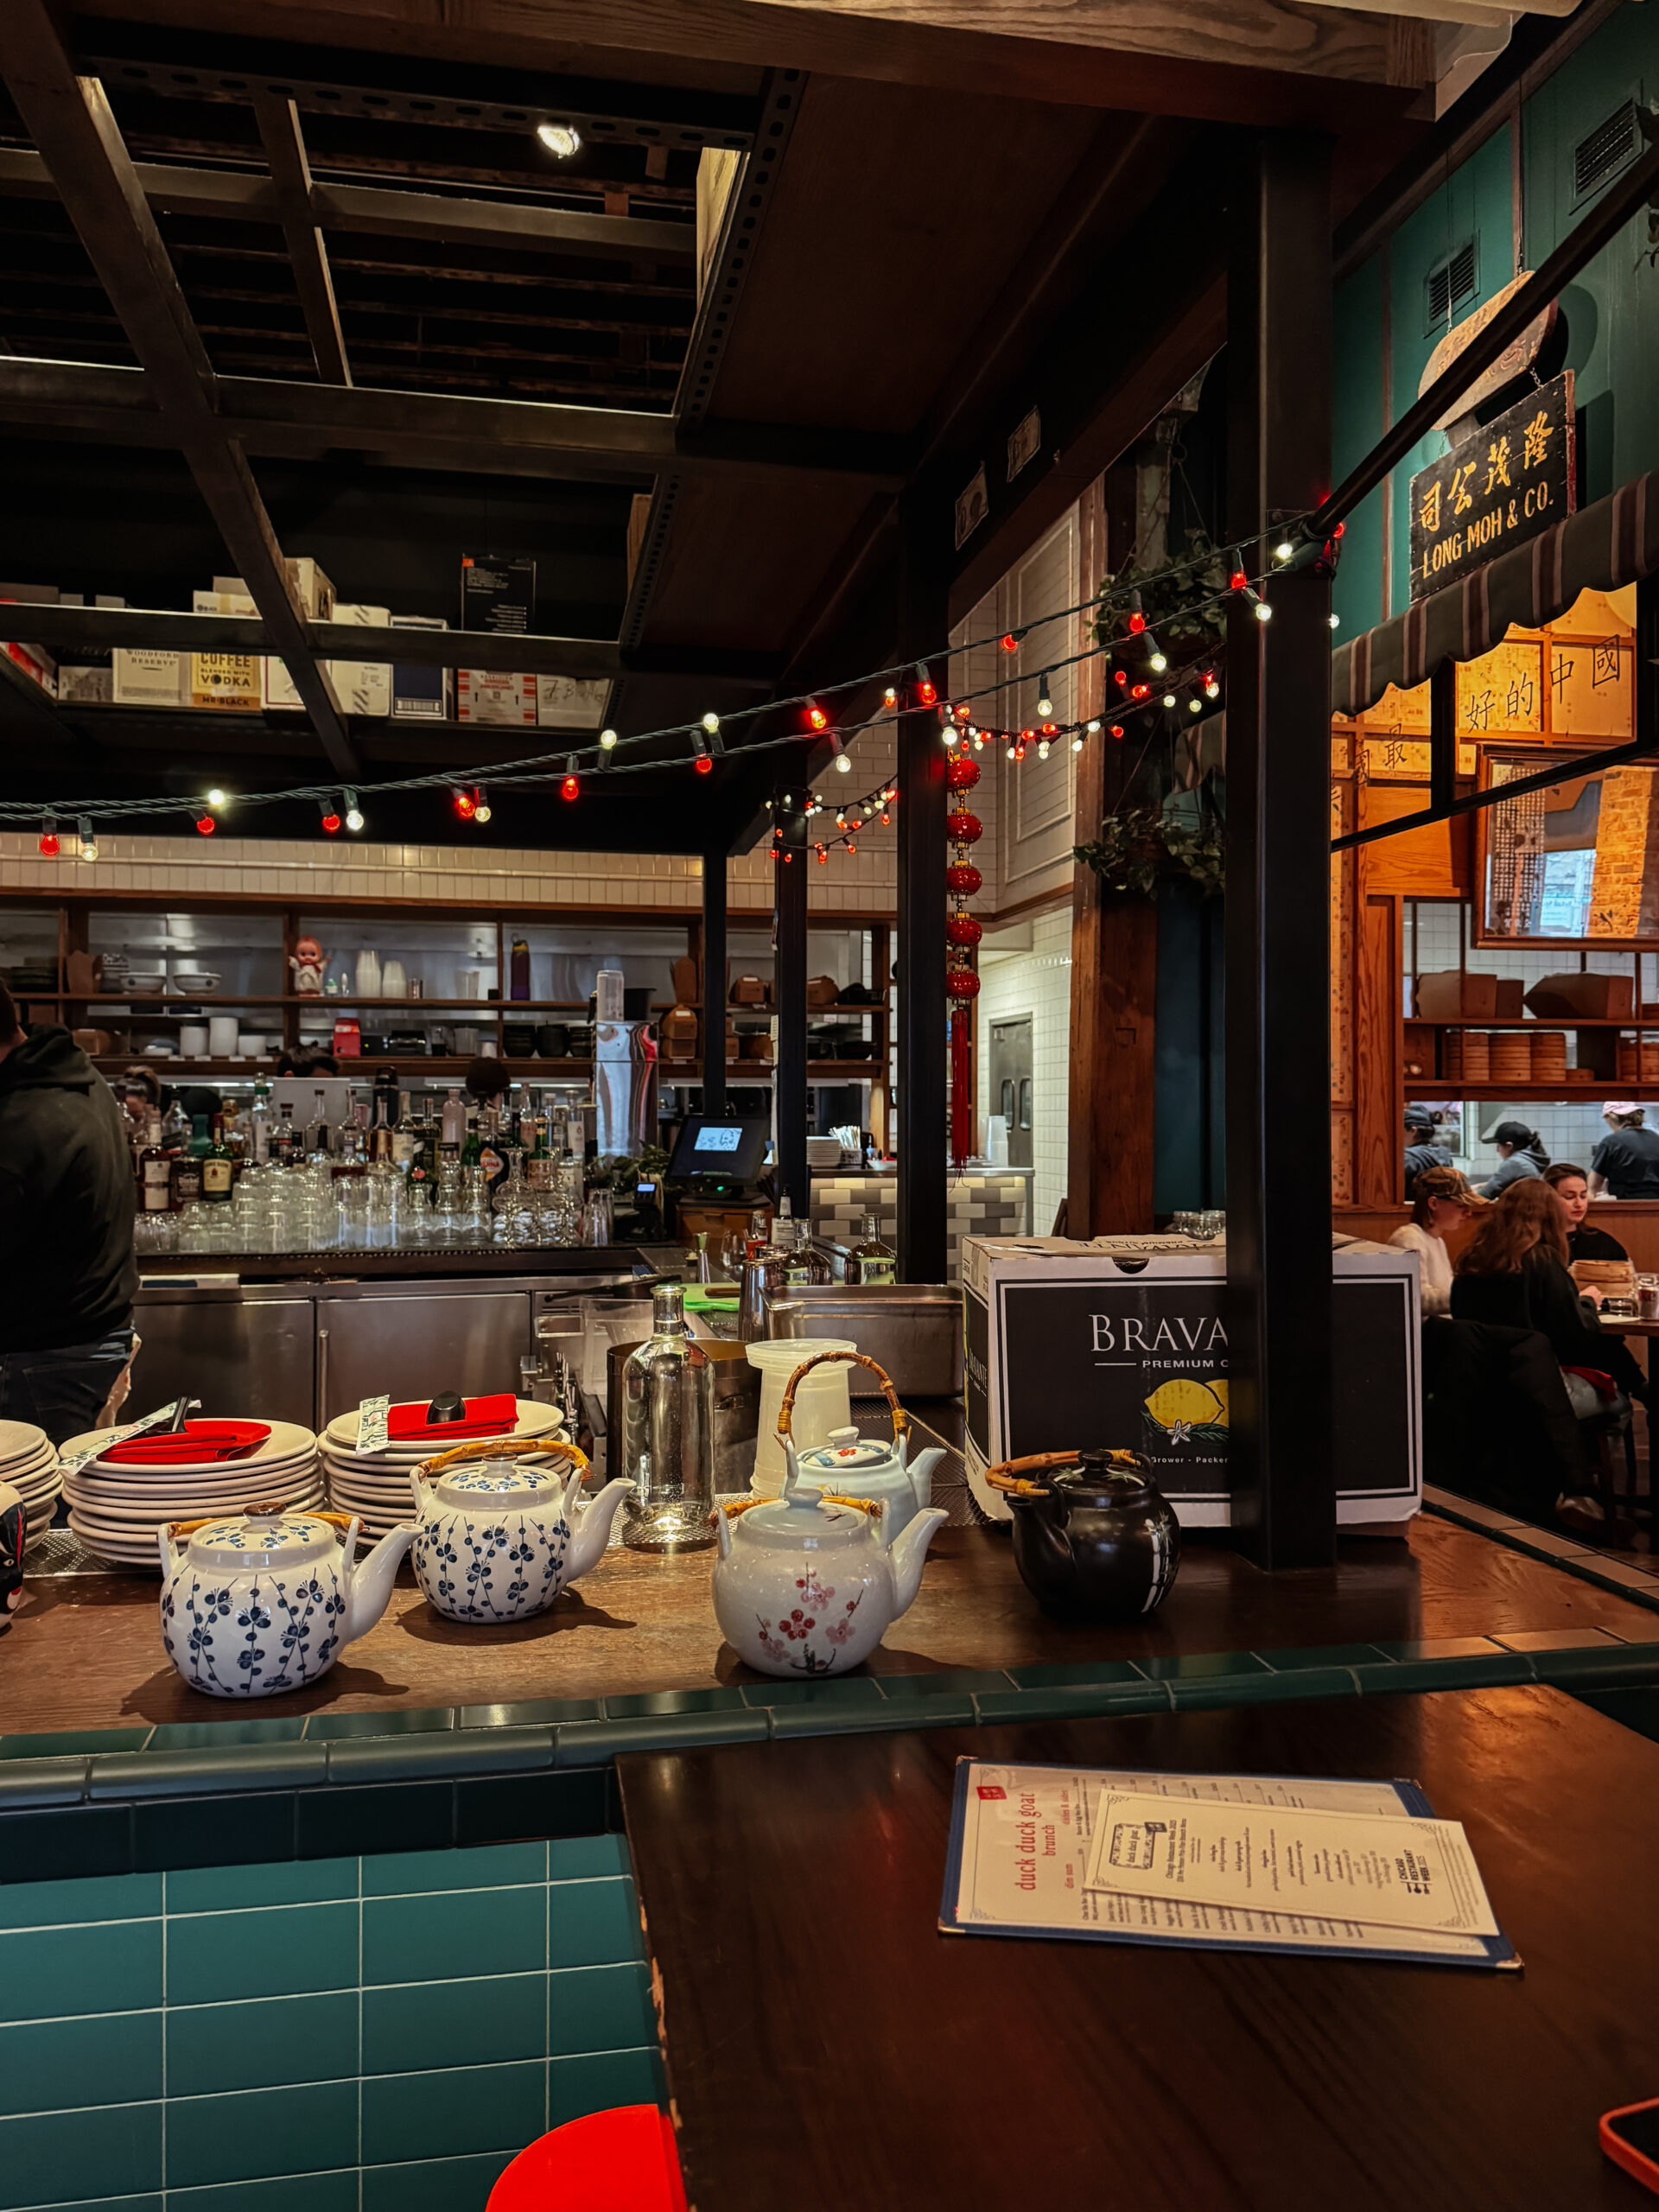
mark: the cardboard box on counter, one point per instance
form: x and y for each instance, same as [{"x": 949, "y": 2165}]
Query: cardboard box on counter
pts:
[
  {"x": 488, "y": 695},
  {"x": 1121, "y": 1342}
]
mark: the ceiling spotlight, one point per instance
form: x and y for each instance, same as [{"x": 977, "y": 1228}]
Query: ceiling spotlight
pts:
[
  {"x": 607, "y": 740},
  {"x": 330, "y": 819},
  {"x": 88, "y": 838},
  {"x": 481, "y": 805},
  {"x": 1045, "y": 703},
  {"x": 844, "y": 759},
  {"x": 561, "y": 139},
  {"x": 354, "y": 812},
  {"x": 711, "y": 722},
  {"x": 217, "y": 798}
]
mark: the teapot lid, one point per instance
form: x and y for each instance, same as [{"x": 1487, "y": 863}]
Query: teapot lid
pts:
[
  {"x": 846, "y": 1453},
  {"x": 802, "y": 1519},
  {"x": 1103, "y": 1476},
  {"x": 287, "y": 1540},
  {"x": 486, "y": 1483}
]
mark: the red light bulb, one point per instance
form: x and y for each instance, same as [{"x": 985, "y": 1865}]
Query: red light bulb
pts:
[
  {"x": 823, "y": 856},
  {"x": 206, "y": 824},
  {"x": 1010, "y": 643},
  {"x": 49, "y": 847},
  {"x": 1137, "y": 623},
  {"x": 569, "y": 787},
  {"x": 1120, "y": 676},
  {"x": 466, "y": 807},
  {"x": 926, "y": 693},
  {"x": 1139, "y": 691},
  {"x": 816, "y": 717},
  {"x": 331, "y": 823},
  {"x": 704, "y": 763},
  {"x": 1238, "y": 580},
  {"x": 1117, "y": 731}
]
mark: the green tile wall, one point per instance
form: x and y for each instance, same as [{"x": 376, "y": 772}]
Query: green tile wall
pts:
[{"x": 342, "y": 2035}]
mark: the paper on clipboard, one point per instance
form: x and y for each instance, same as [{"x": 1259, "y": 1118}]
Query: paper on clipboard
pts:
[
  {"x": 1394, "y": 1872},
  {"x": 1020, "y": 1843}
]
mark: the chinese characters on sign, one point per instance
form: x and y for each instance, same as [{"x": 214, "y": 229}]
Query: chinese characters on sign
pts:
[{"x": 1503, "y": 485}]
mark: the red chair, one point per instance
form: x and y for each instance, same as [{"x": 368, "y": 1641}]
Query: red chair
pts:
[{"x": 621, "y": 2161}]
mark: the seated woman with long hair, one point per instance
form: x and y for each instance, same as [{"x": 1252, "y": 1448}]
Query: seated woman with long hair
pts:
[{"x": 1513, "y": 1272}]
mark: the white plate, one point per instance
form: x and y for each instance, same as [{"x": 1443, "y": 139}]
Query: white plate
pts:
[
  {"x": 136, "y": 1532},
  {"x": 286, "y": 1439},
  {"x": 17, "y": 1437},
  {"x": 137, "y": 1482},
  {"x": 534, "y": 1419}
]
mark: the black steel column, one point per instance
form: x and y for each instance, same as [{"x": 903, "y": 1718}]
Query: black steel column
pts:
[
  {"x": 923, "y": 1131},
  {"x": 1278, "y": 949},
  {"x": 789, "y": 1001},
  {"x": 713, "y": 981}
]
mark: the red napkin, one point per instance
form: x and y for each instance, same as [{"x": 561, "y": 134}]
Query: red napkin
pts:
[
  {"x": 494, "y": 1416},
  {"x": 198, "y": 1440}
]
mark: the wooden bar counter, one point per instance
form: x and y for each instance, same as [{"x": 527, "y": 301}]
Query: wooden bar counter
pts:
[{"x": 84, "y": 1652}]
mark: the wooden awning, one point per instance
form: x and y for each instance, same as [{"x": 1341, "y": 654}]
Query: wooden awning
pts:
[{"x": 1615, "y": 542}]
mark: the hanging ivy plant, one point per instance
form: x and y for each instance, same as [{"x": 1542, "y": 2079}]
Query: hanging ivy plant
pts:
[
  {"x": 1173, "y": 605},
  {"x": 1136, "y": 848}
]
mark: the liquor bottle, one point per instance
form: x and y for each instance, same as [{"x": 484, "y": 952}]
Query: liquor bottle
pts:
[
  {"x": 471, "y": 1147},
  {"x": 350, "y": 1138},
  {"x": 186, "y": 1171},
  {"x": 453, "y": 1127},
  {"x": 285, "y": 1139},
  {"x": 154, "y": 1172},
  {"x": 405, "y": 1137},
  {"x": 218, "y": 1168},
  {"x": 870, "y": 1261},
  {"x": 175, "y": 1128},
  {"x": 381, "y": 1135},
  {"x": 317, "y": 1146},
  {"x": 260, "y": 1131},
  {"x": 667, "y": 1447},
  {"x": 494, "y": 1144}
]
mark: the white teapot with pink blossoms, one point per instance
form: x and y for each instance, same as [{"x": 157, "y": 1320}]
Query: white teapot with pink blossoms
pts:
[{"x": 804, "y": 1585}]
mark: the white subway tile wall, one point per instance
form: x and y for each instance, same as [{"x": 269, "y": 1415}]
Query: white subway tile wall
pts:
[{"x": 1038, "y": 983}]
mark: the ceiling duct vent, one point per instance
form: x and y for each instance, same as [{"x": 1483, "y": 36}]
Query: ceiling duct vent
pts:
[
  {"x": 1609, "y": 147},
  {"x": 1451, "y": 286}
]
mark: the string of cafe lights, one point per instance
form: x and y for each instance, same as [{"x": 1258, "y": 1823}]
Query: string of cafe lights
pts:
[{"x": 906, "y": 688}]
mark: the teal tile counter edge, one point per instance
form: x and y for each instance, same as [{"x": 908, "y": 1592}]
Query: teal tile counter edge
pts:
[{"x": 103, "y": 1804}]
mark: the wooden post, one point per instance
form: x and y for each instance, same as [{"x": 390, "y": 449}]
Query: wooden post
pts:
[
  {"x": 1113, "y": 948},
  {"x": 1278, "y": 957},
  {"x": 712, "y": 997},
  {"x": 789, "y": 1001}
]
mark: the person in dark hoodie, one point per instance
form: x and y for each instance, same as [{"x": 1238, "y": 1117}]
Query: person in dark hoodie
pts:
[{"x": 67, "y": 1273}]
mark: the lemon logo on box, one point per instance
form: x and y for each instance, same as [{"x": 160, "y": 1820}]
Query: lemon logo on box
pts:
[{"x": 1185, "y": 1411}]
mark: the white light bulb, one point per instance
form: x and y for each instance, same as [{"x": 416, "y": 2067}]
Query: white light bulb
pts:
[
  {"x": 607, "y": 739},
  {"x": 1093, "y": 731},
  {"x": 1042, "y": 749},
  {"x": 354, "y": 817},
  {"x": 1077, "y": 744},
  {"x": 1011, "y": 754},
  {"x": 1284, "y": 550},
  {"x": 1158, "y": 663},
  {"x": 480, "y": 813},
  {"x": 711, "y": 722},
  {"x": 1212, "y": 690},
  {"x": 217, "y": 798},
  {"x": 560, "y": 138},
  {"x": 1263, "y": 612},
  {"x": 1335, "y": 620},
  {"x": 844, "y": 763},
  {"x": 1197, "y": 705},
  {"x": 1169, "y": 698}
]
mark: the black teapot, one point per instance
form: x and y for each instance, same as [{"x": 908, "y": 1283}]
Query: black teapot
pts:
[{"x": 1094, "y": 1537}]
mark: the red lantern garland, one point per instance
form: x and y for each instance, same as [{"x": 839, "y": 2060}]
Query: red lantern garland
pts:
[{"x": 962, "y": 933}]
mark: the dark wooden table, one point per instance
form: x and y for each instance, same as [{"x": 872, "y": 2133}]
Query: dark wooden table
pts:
[{"x": 827, "y": 2047}]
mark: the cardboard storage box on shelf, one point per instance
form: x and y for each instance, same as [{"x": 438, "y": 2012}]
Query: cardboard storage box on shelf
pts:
[
  {"x": 311, "y": 588},
  {"x": 228, "y": 680},
  {"x": 678, "y": 1033},
  {"x": 685, "y": 972},
  {"x": 571, "y": 702},
  {"x": 95, "y": 1043},
  {"x": 422, "y": 694},
  {"x": 1596, "y": 997},
  {"x": 489, "y": 695},
  {"x": 362, "y": 687},
  {"x": 748, "y": 991},
  {"x": 822, "y": 990},
  {"x": 1121, "y": 1342},
  {"x": 87, "y": 678},
  {"x": 150, "y": 675},
  {"x": 1453, "y": 994}
]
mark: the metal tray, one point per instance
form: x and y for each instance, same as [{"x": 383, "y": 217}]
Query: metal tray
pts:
[{"x": 912, "y": 1329}]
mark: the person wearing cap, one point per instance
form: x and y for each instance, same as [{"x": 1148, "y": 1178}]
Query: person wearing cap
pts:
[
  {"x": 1520, "y": 1154},
  {"x": 1422, "y": 1151},
  {"x": 1626, "y": 1164},
  {"x": 1583, "y": 1241},
  {"x": 1442, "y": 1202}
]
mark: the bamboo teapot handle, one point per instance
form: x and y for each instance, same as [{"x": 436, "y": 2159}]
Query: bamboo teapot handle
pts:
[{"x": 786, "y": 1411}]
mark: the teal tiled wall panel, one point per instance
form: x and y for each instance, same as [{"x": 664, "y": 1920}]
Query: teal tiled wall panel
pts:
[{"x": 337, "y": 2035}]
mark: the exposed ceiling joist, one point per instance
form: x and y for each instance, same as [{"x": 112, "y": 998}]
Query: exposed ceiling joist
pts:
[
  {"x": 381, "y": 210},
  {"x": 290, "y": 181},
  {"x": 70, "y": 121},
  {"x": 418, "y": 430},
  {"x": 65, "y": 631}
]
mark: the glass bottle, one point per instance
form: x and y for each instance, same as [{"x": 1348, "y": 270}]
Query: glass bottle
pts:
[
  {"x": 285, "y": 1138},
  {"x": 405, "y": 1137},
  {"x": 510, "y": 1203},
  {"x": 668, "y": 1434},
  {"x": 259, "y": 1128},
  {"x": 870, "y": 1261},
  {"x": 175, "y": 1128},
  {"x": 349, "y": 1143},
  {"x": 380, "y": 1130},
  {"x": 185, "y": 1169},
  {"x": 454, "y": 1130},
  {"x": 218, "y": 1167},
  {"x": 472, "y": 1149},
  {"x": 154, "y": 1173},
  {"x": 317, "y": 1146}
]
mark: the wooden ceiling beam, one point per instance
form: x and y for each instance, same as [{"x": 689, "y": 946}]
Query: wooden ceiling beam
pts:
[
  {"x": 381, "y": 210},
  {"x": 291, "y": 182},
  {"x": 68, "y": 118},
  {"x": 416, "y": 429}
]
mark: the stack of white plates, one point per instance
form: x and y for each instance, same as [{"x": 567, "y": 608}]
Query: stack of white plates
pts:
[
  {"x": 30, "y": 1464},
  {"x": 375, "y": 1485},
  {"x": 115, "y": 1510}
]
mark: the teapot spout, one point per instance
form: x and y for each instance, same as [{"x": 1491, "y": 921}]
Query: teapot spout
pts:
[
  {"x": 920, "y": 1470},
  {"x": 368, "y": 1582},
  {"x": 908, "y": 1552},
  {"x": 590, "y": 1527}
]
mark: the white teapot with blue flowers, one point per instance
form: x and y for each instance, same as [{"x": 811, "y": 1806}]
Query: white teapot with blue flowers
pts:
[
  {"x": 500, "y": 1528},
  {"x": 265, "y": 1600}
]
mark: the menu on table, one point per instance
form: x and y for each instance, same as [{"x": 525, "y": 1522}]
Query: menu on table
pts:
[{"x": 1027, "y": 1842}]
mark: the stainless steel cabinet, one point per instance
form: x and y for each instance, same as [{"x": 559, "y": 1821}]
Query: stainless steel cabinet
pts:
[
  {"x": 248, "y": 1352},
  {"x": 414, "y": 1346}
]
